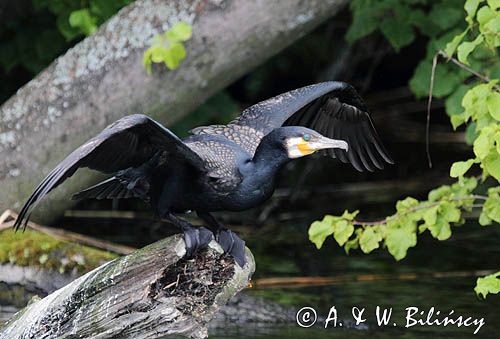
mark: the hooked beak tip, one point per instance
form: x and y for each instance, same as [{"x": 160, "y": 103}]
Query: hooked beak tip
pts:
[{"x": 333, "y": 143}]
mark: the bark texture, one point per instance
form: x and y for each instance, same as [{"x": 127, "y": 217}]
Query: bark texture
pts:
[
  {"x": 151, "y": 293},
  {"x": 102, "y": 79}
]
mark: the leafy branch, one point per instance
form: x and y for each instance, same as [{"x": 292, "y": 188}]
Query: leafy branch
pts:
[
  {"x": 468, "y": 102},
  {"x": 424, "y": 206}
]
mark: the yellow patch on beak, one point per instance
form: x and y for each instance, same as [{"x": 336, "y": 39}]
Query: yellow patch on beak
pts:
[{"x": 305, "y": 148}]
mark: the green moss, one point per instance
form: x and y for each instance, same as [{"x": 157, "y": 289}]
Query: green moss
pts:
[{"x": 33, "y": 248}]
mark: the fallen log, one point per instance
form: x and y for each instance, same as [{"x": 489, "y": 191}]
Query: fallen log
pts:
[
  {"x": 102, "y": 79},
  {"x": 151, "y": 293}
]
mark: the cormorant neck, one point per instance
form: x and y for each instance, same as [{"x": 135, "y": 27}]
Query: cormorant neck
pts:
[{"x": 270, "y": 156}]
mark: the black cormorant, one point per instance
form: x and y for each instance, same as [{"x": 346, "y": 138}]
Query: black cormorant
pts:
[{"x": 221, "y": 167}]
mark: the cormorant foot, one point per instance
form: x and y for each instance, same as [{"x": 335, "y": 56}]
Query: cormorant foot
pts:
[
  {"x": 232, "y": 244},
  {"x": 196, "y": 238}
]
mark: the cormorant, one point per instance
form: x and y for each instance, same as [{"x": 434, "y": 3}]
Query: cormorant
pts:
[{"x": 221, "y": 167}]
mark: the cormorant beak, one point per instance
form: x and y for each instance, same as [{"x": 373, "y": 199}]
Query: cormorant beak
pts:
[
  {"x": 326, "y": 143},
  {"x": 297, "y": 147}
]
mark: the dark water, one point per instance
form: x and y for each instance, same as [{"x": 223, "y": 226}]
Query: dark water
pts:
[{"x": 435, "y": 274}]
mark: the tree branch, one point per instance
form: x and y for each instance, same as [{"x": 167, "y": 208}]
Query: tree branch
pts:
[
  {"x": 417, "y": 208},
  {"x": 151, "y": 293}
]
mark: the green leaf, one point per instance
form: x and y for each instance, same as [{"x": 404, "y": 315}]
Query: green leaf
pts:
[
  {"x": 459, "y": 168},
  {"x": 369, "y": 240},
  {"x": 430, "y": 216},
  {"x": 488, "y": 284},
  {"x": 66, "y": 29},
  {"x": 398, "y": 32},
  {"x": 399, "y": 240},
  {"x": 437, "y": 219},
  {"x": 484, "y": 15},
  {"x": 464, "y": 186},
  {"x": 458, "y": 119},
  {"x": 441, "y": 230},
  {"x": 180, "y": 31},
  {"x": 83, "y": 20},
  {"x": 342, "y": 231},
  {"x": 497, "y": 141},
  {"x": 449, "y": 211},
  {"x": 320, "y": 230},
  {"x": 174, "y": 55},
  {"x": 471, "y": 133},
  {"x": 493, "y": 103},
  {"x": 365, "y": 21},
  {"x": 168, "y": 47},
  {"x": 453, "y": 103},
  {"x": 406, "y": 204},
  {"x": 482, "y": 145},
  {"x": 146, "y": 60},
  {"x": 492, "y": 164},
  {"x": 484, "y": 220},
  {"x": 494, "y": 4},
  {"x": 178, "y": 51},
  {"x": 466, "y": 48},
  {"x": 491, "y": 209},
  {"x": 471, "y": 8},
  {"x": 451, "y": 47},
  {"x": 353, "y": 243},
  {"x": 349, "y": 216},
  {"x": 445, "y": 80},
  {"x": 439, "y": 193},
  {"x": 444, "y": 16}
]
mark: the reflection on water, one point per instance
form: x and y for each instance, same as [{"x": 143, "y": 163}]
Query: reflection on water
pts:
[{"x": 471, "y": 248}]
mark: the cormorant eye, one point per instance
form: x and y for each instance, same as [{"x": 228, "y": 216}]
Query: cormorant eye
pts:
[{"x": 306, "y": 137}]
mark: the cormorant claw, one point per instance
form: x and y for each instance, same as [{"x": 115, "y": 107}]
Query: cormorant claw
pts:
[
  {"x": 232, "y": 244},
  {"x": 196, "y": 238}
]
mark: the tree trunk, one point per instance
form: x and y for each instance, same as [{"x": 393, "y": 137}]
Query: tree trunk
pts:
[
  {"x": 102, "y": 79},
  {"x": 151, "y": 293}
]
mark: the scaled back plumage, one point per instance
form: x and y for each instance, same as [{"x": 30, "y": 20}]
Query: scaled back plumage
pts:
[{"x": 334, "y": 109}]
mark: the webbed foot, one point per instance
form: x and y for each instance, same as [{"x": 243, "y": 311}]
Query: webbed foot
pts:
[
  {"x": 232, "y": 244},
  {"x": 196, "y": 238}
]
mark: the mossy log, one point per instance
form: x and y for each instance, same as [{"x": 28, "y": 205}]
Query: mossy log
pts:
[
  {"x": 103, "y": 78},
  {"x": 151, "y": 293}
]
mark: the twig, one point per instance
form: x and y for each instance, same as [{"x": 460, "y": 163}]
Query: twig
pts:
[
  {"x": 429, "y": 103},
  {"x": 417, "y": 208},
  {"x": 431, "y": 87},
  {"x": 7, "y": 221},
  {"x": 348, "y": 279},
  {"x": 465, "y": 67}
]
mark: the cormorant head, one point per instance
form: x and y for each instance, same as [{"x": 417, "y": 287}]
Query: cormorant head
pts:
[{"x": 300, "y": 141}]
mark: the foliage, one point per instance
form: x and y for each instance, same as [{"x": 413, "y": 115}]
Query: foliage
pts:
[
  {"x": 476, "y": 104},
  {"x": 40, "y": 30},
  {"x": 488, "y": 284},
  {"x": 76, "y": 18},
  {"x": 39, "y": 43},
  {"x": 167, "y": 47}
]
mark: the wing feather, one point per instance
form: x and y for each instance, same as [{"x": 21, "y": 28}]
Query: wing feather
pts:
[
  {"x": 333, "y": 109},
  {"x": 128, "y": 142}
]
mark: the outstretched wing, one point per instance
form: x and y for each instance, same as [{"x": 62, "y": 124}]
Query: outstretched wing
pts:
[
  {"x": 333, "y": 109},
  {"x": 128, "y": 142}
]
